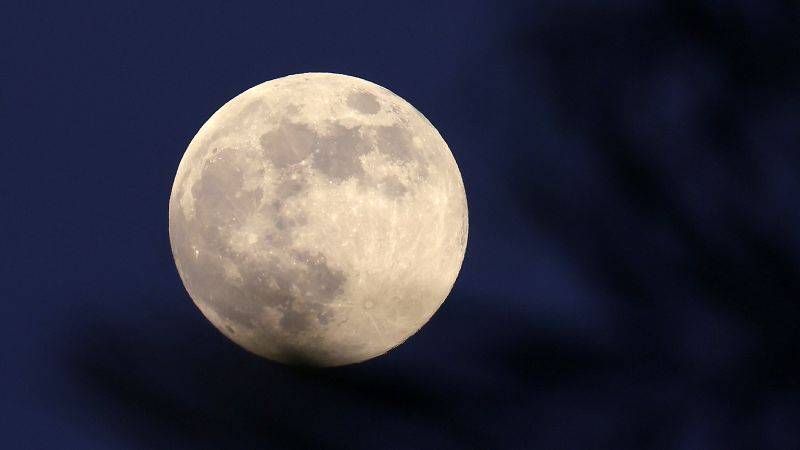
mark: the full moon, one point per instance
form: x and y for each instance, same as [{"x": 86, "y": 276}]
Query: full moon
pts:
[{"x": 318, "y": 219}]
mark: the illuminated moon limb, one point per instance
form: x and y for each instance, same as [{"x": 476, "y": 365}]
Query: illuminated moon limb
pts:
[{"x": 318, "y": 219}]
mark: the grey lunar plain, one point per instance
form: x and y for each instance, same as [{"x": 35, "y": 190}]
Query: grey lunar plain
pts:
[{"x": 318, "y": 219}]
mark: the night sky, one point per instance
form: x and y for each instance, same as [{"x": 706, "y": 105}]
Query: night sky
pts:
[{"x": 632, "y": 273}]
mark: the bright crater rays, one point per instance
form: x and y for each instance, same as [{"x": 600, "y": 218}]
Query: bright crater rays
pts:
[{"x": 318, "y": 219}]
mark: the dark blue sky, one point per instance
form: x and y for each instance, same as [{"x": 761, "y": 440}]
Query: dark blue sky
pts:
[{"x": 631, "y": 278}]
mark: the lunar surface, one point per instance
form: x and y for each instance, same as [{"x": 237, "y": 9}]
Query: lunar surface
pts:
[{"x": 318, "y": 219}]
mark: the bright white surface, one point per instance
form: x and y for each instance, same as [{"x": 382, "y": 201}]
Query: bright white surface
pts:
[{"x": 318, "y": 219}]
